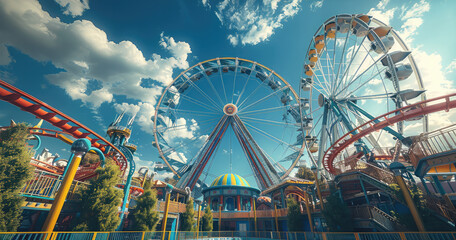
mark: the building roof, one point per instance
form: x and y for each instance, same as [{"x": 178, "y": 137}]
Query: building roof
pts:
[{"x": 230, "y": 180}]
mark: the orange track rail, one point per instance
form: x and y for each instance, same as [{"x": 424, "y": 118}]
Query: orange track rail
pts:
[
  {"x": 407, "y": 112},
  {"x": 42, "y": 110}
]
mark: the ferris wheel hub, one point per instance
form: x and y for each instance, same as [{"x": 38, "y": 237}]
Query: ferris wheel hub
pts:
[
  {"x": 230, "y": 109},
  {"x": 321, "y": 100}
]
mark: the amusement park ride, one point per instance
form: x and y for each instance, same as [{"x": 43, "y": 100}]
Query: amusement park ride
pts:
[{"x": 360, "y": 100}]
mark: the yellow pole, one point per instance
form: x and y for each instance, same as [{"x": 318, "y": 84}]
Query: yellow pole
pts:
[
  {"x": 220, "y": 219},
  {"x": 255, "y": 218},
  {"x": 198, "y": 222},
  {"x": 59, "y": 199},
  {"x": 318, "y": 191},
  {"x": 411, "y": 205},
  {"x": 309, "y": 214},
  {"x": 165, "y": 215},
  {"x": 276, "y": 217}
]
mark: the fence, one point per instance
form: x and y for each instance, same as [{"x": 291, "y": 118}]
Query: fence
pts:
[
  {"x": 438, "y": 141},
  {"x": 227, "y": 235},
  {"x": 45, "y": 185}
]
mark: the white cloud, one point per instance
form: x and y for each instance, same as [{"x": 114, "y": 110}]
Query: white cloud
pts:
[
  {"x": 253, "y": 21},
  {"x": 85, "y": 53},
  {"x": 233, "y": 40},
  {"x": 74, "y": 7},
  {"x": 451, "y": 67},
  {"x": 5, "y": 58},
  {"x": 316, "y": 5}
]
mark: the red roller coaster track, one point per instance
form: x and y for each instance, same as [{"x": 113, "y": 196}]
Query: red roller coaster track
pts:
[
  {"x": 401, "y": 114},
  {"x": 42, "y": 110}
]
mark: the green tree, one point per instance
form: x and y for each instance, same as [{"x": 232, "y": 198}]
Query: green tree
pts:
[
  {"x": 294, "y": 216},
  {"x": 337, "y": 214},
  {"x": 99, "y": 210},
  {"x": 187, "y": 222},
  {"x": 15, "y": 170},
  {"x": 305, "y": 173},
  {"x": 207, "y": 223},
  {"x": 145, "y": 213}
]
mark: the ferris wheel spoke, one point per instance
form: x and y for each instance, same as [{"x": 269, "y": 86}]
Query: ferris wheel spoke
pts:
[
  {"x": 320, "y": 84},
  {"x": 264, "y": 98},
  {"x": 361, "y": 74},
  {"x": 201, "y": 104},
  {"x": 270, "y": 121},
  {"x": 341, "y": 62},
  {"x": 254, "y": 91},
  {"x": 352, "y": 57},
  {"x": 245, "y": 84},
  {"x": 365, "y": 82},
  {"x": 234, "y": 80},
  {"x": 270, "y": 136},
  {"x": 201, "y": 91},
  {"x": 182, "y": 126},
  {"x": 221, "y": 79},
  {"x": 198, "y": 113},
  {"x": 212, "y": 86},
  {"x": 320, "y": 68},
  {"x": 263, "y": 110}
]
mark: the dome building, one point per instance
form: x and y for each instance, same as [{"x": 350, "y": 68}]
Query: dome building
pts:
[{"x": 231, "y": 192}]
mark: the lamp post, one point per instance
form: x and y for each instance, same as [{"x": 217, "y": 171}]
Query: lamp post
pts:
[{"x": 78, "y": 149}]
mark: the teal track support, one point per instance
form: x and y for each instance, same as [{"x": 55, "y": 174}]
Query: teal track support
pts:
[
  {"x": 364, "y": 191},
  {"x": 438, "y": 185},
  {"x": 347, "y": 124},
  {"x": 425, "y": 186},
  {"x": 388, "y": 129},
  {"x": 282, "y": 193},
  {"x": 129, "y": 155}
]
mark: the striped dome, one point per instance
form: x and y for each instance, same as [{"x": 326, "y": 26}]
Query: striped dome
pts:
[{"x": 230, "y": 180}]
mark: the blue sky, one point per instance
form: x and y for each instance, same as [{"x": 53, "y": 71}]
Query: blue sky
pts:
[{"x": 87, "y": 58}]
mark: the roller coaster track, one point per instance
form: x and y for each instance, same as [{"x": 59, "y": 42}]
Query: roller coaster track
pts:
[
  {"x": 390, "y": 118},
  {"x": 42, "y": 110}
]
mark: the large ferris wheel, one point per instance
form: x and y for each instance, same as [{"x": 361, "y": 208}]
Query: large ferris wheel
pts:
[
  {"x": 224, "y": 112},
  {"x": 357, "y": 68}
]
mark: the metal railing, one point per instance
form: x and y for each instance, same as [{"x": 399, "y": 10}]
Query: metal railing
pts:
[
  {"x": 430, "y": 143},
  {"x": 45, "y": 185},
  {"x": 375, "y": 214},
  {"x": 244, "y": 235}
]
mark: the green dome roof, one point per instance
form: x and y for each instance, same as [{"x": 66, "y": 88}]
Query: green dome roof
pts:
[{"x": 230, "y": 180}]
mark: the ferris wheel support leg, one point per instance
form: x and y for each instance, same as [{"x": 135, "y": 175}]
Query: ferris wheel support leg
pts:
[
  {"x": 321, "y": 149},
  {"x": 347, "y": 124},
  {"x": 363, "y": 112}
]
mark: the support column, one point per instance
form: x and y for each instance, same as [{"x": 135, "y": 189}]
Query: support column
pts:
[
  {"x": 317, "y": 183},
  {"x": 364, "y": 191},
  {"x": 78, "y": 148},
  {"x": 165, "y": 216},
  {"x": 198, "y": 221},
  {"x": 238, "y": 202},
  {"x": 425, "y": 186},
  {"x": 276, "y": 217},
  {"x": 209, "y": 203},
  {"x": 221, "y": 203},
  {"x": 309, "y": 214},
  {"x": 442, "y": 191},
  {"x": 255, "y": 218},
  {"x": 396, "y": 167},
  {"x": 220, "y": 218},
  {"x": 282, "y": 193}
]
